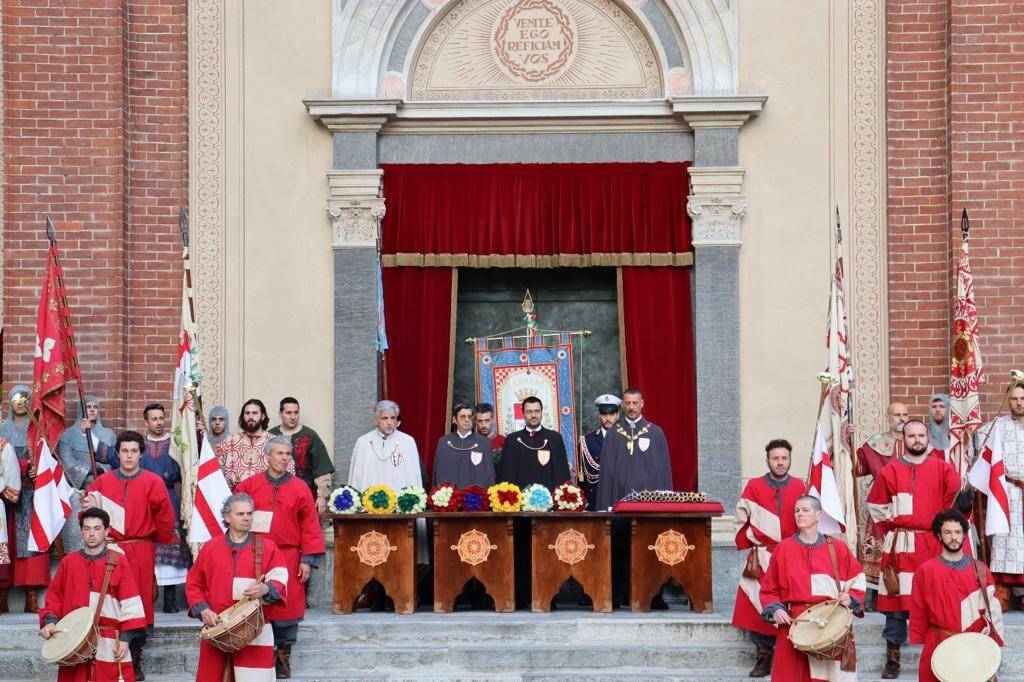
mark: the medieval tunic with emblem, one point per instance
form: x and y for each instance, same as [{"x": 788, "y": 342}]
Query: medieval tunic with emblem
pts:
[
  {"x": 634, "y": 457},
  {"x": 77, "y": 583},
  {"x": 312, "y": 462},
  {"x": 903, "y": 500},
  {"x": 391, "y": 460},
  {"x": 947, "y": 599},
  {"x": 1007, "y": 553},
  {"x": 221, "y": 573},
  {"x": 764, "y": 516},
  {"x": 463, "y": 460},
  {"x": 537, "y": 457},
  {"x": 141, "y": 516},
  {"x": 286, "y": 514},
  {"x": 800, "y": 575},
  {"x": 241, "y": 456}
]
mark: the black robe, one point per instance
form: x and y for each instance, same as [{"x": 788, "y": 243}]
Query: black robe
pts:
[
  {"x": 540, "y": 459},
  {"x": 463, "y": 461},
  {"x": 647, "y": 468}
]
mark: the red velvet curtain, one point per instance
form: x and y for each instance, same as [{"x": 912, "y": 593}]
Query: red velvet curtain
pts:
[
  {"x": 536, "y": 209},
  {"x": 418, "y": 307},
  {"x": 658, "y": 328}
]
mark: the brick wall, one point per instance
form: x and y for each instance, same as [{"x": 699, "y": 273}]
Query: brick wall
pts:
[
  {"x": 955, "y": 99},
  {"x": 95, "y": 136}
]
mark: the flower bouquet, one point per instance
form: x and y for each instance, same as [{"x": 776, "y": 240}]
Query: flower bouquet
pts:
[
  {"x": 379, "y": 499},
  {"x": 505, "y": 497},
  {"x": 345, "y": 500},
  {"x": 569, "y": 497},
  {"x": 444, "y": 498},
  {"x": 474, "y": 499},
  {"x": 536, "y": 498},
  {"x": 412, "y": 499}
]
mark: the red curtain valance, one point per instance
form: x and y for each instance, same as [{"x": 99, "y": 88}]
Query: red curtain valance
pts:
[{"x": 536, "y": 215}]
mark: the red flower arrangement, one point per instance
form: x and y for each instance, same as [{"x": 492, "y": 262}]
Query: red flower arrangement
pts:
[
  {"x": 444, "y": 498},
  {"x": 569, "y": 497},
  {"x": 474, "y": 499}
]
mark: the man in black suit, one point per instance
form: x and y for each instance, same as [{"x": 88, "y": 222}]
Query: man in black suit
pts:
[{"x": 534, "y": 454}]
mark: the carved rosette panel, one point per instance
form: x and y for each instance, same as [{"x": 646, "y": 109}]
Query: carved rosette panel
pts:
[
  {"x": 355, "y": 223},
  {"x": 716, "y": 219},
  {"x": 571, "y": 546},
  {"x": 474, "y": 547},
  {"x": 671, "y": 547},
  {"x": 373, "y": 548}
]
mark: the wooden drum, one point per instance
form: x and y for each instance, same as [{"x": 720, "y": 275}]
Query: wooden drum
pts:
[
  {"x": 75, "y": 640},
  {"x": 822, "y": 630},
  {"x": 236, "y": 626},
  {"x": 966, "y": 657}
]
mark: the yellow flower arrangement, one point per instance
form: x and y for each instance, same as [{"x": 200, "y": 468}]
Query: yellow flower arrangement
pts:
[
  {"x": 505, "y": 497},
  {"x": 379, "y": 499}
]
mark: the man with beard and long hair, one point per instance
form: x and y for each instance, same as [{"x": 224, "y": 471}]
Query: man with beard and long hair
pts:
[
  {"x": 905, "y": 497},
  {"x": 241, "y": 454},
  {"x": 952, "y": 593}
]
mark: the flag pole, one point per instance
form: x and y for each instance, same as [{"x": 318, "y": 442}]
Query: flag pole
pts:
[
  {"x": 850, "y": 440},
  {"x": 51, "y": 235},
  {"x": 187, "y": 266},
  {"x": 825, "y": 379}
]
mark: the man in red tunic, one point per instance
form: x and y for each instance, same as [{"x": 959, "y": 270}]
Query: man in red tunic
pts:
[
  {"x": 952, "y": 593},
  {"x": 764, "y": 515},
  {"x": 224, "y": 572},
  {"x": 286, "y": 514},
  {"x": 806, "y": 569},
  {"x": 140, "y": 515},
  {"x": 77, "y": 583},
  {"x": 905, "y": 497}
]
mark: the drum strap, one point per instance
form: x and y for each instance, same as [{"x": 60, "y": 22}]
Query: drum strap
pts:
[
  {"x": 848, "y": 659},
  {"x": 984, "y": 591},
  {"x": 258, "y": 549},
  {"x": 111, "y": 562},
  {"x": 835, "y": 565}
]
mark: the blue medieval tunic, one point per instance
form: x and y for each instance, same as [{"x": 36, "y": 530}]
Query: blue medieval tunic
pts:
[{"x": 172, "y": 561}]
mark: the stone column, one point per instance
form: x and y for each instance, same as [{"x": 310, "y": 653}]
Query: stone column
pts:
[{"x": 355, "y": 207}]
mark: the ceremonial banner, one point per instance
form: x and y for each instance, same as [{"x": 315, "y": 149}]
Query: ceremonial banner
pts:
[
  {"x": 966, "y": 371},
  {"x": 510, "y": 373},
  {"x": 834, "y": 421},
  {"x": 53, "y": 360},
  {"x": 822, "y": 481},
  {"x": 211, "y": 490}
]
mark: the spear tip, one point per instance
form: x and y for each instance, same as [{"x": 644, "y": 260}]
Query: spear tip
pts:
[
  {"x": 965, "y": 225},
  {"x": 51, "y": 233},
  {"x": 183, "y": 225}
]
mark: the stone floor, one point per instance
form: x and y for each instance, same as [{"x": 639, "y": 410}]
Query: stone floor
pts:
[{"x": 562, "y": 645}]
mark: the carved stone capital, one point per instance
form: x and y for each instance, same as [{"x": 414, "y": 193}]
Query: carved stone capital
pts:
[
  {"x": 355, "y": 208},
  {"x": 716, "y": 206}
]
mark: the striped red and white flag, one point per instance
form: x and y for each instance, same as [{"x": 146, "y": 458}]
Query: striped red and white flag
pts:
[
  {"x": 211, "y": 491},
  {"x": 822, "y": 482},
  {"x": 51, "y": 503},
  {"x": 989, "y": 476}
]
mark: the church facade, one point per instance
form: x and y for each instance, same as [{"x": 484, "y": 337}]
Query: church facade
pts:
[{"x": 271, "y": 121}]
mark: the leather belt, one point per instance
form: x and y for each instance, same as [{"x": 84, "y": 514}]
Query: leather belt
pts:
[
  {"x": 948, "y": 633},
  {"x": 128, "y": 541},
  {"x": 1016, "y": 481}
]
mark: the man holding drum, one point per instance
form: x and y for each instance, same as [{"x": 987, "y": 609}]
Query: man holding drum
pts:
[
  {"x": 285, "y": 513},
  {"x": 93, "y": 575},
  {"x": 952, "y": 594},
  {"x": 233, "y": 567},
  {"x": 805, "y": 570}
]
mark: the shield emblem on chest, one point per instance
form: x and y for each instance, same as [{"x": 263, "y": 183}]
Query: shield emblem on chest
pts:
[
  {"x": 476, "y": 457},
  {"x": 543, "y": 456},
  {"x": 644, "y": 443}
]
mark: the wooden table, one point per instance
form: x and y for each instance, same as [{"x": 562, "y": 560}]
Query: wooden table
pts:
[
  {"x": 473, "y": 545},
  {"x": 664, "y": 546},
  {"x": 576, "y": 545},
  {"x": 481, "y": 545},
  {"x": 379, "y": 547}
]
